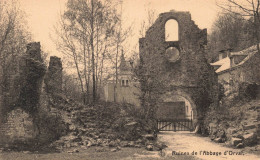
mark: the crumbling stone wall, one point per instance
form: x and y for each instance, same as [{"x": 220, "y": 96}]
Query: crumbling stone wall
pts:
[
  {"x": 27, "y": 115},
  {"x": 23, "y": 97},
  {"x": 18, "y": 127},
  {"x": 53, "y": 78},
  {"x": 32, "y": 71},
  {"x": 190, "y": 74}
]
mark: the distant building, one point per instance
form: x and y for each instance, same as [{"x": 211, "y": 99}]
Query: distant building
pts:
[
  {"x": 127, "y": 87},
  {"x": 237, "y": 67}
]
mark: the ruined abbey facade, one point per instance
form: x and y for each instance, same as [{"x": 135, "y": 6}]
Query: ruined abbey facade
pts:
[{"x": 180, "y": 64}]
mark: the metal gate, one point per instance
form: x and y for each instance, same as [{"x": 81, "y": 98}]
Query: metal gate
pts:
[{"x": 175, "y": 125}]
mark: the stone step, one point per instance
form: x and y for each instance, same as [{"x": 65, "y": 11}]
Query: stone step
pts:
[{"x": 249, "y": 126}]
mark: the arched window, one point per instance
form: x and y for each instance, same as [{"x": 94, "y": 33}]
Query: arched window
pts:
[
  {"x": 171, "y": 30},
  {"x": 172, "y": 54}
]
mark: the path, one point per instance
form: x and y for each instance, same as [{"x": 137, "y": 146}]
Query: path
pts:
[{"x": 187, "y": 142}]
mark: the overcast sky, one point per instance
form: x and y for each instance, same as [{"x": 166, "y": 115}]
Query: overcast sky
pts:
[{"x": 43, "y": 14}]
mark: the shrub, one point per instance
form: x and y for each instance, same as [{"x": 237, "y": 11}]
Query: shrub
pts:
[
  {"x": 248, "y": 90},
  {"x": 50, "y": 127}
]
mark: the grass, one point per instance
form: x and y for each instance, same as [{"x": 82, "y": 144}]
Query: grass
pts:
[{"x": 89, "y": 154}]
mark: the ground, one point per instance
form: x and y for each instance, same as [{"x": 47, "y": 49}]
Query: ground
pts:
[
  {"x": 90, "y": 154},
  {"x": 187, "y": 142},
  {"x": 184, "y": 142}
]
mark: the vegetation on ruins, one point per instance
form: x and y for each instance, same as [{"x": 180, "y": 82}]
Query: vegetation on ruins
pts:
[
  {"x": 91, "y": 37},
  {"x": 189, "y": 76},
  {"x": 13, "y": 39},
  {"x": 151, "y": 85}
]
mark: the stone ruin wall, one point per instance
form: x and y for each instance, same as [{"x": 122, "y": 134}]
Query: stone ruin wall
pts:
[
  {"x": 53, "y": 77},
  {"x": 26, "y": 94},
  {"x": 186, "y": 75}
]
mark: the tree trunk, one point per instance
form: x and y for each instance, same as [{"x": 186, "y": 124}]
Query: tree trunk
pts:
[
  {"x": 80, "y": 79},
  {"x": 92, "y": 51},
  {"x": 97, "y": 40},
  {"x": 256, "y": 22},
  {"x": 85, "y": 70},
  {"x": 101, "y": 67},
  {"x": 115, "y": 86},
  {"x": 89, "y": 71}
]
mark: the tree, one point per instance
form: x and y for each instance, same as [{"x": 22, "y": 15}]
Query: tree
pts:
[
  {"x": 248, "y": 8},
  {"x": 13, "y": 40},
  {"x": 70, "y": 86},
  {"x": 84, "y": 32},
  {"x": 148, "y": 22},
  {"x": 148, "y": 72},
  {"x": 118, "y": 38},
  {"x": 229, "y": 31}
]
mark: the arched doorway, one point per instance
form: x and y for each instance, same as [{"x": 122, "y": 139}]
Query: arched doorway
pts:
[{"x": 177, "y": 112}]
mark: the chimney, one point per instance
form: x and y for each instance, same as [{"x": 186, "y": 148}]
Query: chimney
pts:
[{"x": 224, "y": 53}]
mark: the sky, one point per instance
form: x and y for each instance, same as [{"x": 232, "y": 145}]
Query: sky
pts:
[{"x": 42, "y": 15}]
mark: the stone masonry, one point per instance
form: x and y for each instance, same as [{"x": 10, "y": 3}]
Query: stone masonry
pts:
[
  {"x": 190, "y": 76},
  {"x": 23, "y": 101},
  {"x": 53, "y": 77},
  {"x": 26, "y": 97},
  {"x": 32, "y": 71}
]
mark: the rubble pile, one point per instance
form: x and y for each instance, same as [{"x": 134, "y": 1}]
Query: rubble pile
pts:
[
  {"x": 242, "y": 132},
  {"x": 103, "y": 124}
]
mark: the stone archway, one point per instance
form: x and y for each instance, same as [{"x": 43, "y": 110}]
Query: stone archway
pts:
[{"x": 179, "y": 95}]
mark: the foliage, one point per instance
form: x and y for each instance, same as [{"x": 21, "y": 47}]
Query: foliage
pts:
[
  {"x": 51, "y": 127},
  {"x": 248, "y": 91},
  {"x": 221, "y": 91},
  {"x": 70, "y": 87},
  {"x": 152, "y": 84},
  {"x": 247, "y": 9},
  {"x": 132, "y": 110},
  {"x": 13, "y": 39},
  {"x": 150, "y": 19},
  {"x": 85, "y": 35},
  {"x": 223, "y": 115},
  {"x": 157, "y": 75},
  {"x": 135, "y": 115},
  {"x": 229, "y": 31},
  {"x": 30, "y": 77}
]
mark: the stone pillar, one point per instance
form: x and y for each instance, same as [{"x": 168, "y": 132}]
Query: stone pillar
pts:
[
  {"x": 53, "y": 78},
  {"x": 31, "y": 73}
]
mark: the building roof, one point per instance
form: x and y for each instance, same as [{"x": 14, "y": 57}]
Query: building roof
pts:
[
  {"x": 124, "y": 65},
  {"x": 244, "y": 52},
  {"x": 224, "y": 64},
  {"x": 124, "y": 69}
]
